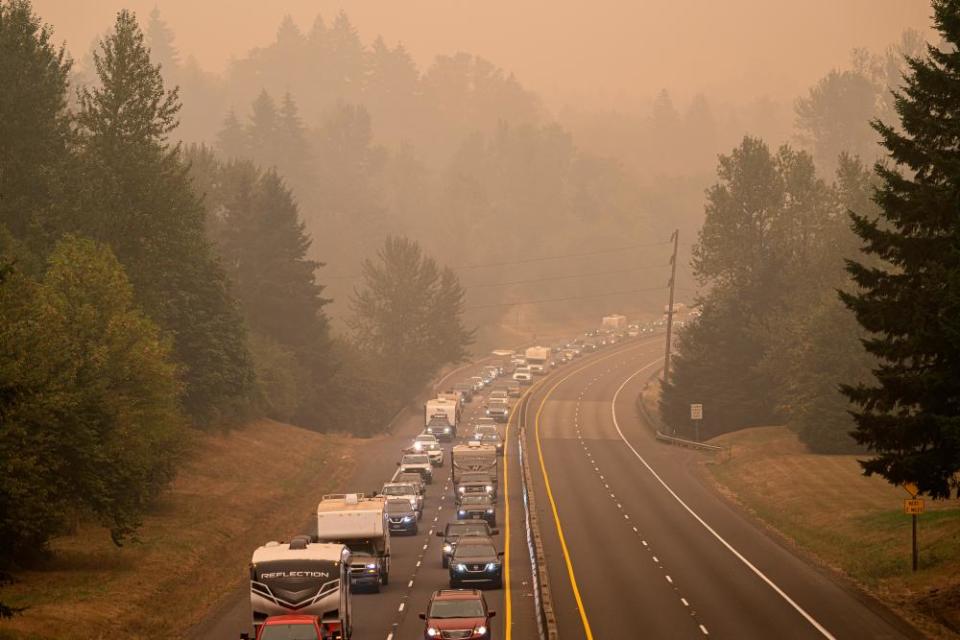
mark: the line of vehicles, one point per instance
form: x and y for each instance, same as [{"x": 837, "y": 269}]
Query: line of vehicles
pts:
[{"x": 302, "y": 589}]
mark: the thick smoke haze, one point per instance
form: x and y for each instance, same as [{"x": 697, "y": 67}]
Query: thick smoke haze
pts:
[{"x": 574, "y": 52}]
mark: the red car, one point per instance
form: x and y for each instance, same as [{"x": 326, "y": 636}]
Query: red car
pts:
[
  {"x": 291, "y": 627},
  {"x": 457, "y": 613}
]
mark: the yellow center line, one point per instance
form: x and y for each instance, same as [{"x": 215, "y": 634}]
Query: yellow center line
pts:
[
  {"x": 508, "y": 600},
  {"x": 546, "y": 482}
]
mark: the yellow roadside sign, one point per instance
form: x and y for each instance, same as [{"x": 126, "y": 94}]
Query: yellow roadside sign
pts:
[
  {"x": 913, "y": 507},
  {"x": 911, "y": 488}
]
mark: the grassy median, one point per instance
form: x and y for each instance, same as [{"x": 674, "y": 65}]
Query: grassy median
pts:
[
  {"x": 829, "y": 510},
  {"x": 234, "y": 493}
]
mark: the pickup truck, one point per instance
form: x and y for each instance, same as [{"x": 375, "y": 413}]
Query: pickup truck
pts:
[
  {"x": 417, "y": 463},
  {"x": 452, "y": 532},
  {"x": 405, "y": 490},
  {"x": 497, "y": 409}
]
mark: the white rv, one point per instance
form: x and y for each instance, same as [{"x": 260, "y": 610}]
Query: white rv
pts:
[
  {"x": 361, "y": 524},
  {"x": 302, "y": 577}
]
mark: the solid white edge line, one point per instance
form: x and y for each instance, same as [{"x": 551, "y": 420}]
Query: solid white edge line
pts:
[{"x": 770, "y": 583}]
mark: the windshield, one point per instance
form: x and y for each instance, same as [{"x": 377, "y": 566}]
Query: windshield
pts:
[
  {"x": 481, "y": 500},
  {"x": 456, "y": 609},
  {"x": 483, "y": 428},
  {"x": 398, "y": 507},
  {"x": 474, "y": 550},
  {"x": 399, "y": 490},
  {"x": 293, "y": 631},
  {"x": 466, "y": 529},
  {"x": 416, "y": 460}
]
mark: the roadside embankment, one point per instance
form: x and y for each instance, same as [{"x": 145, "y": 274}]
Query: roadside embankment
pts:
[
  {"x": 826, "y": 507},
  {"x": 235, "y": 492}
]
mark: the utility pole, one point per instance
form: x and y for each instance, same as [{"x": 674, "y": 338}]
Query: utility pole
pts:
[{"x": 673, "y": 282}]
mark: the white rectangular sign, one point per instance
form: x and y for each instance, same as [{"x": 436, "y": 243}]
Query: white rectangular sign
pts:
[{"x": 696, "y": 412}]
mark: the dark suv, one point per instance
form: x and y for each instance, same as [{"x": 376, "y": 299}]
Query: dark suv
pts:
[
  {"x": 476, "y": 561},
  {"x": 402, "y": 516},
  {"x": 452, "y": 532},
  {"x": 457, "y": 613}
]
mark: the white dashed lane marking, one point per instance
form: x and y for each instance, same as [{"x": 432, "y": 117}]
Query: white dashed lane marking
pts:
[{"x": 613, "y": 497}]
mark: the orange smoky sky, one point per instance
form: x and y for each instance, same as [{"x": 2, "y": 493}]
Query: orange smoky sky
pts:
[{"x": 586, "y": 52}]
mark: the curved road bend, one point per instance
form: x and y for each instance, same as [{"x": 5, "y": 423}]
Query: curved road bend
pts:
[{"x": 637, "y": 545}]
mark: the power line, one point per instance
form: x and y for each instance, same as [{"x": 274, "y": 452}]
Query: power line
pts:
[
  {"x": 529, "y": 260},
  {"x": 570, "y": 277},
  {"x": 546, "y": 300}
]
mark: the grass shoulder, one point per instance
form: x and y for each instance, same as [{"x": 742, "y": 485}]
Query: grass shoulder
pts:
[
  {"x": 235, "y": 492},
  {"x": 825, "y": 506}
]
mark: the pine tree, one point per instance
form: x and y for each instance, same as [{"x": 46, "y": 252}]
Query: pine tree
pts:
[
  {"x": 232, "y": 139},
  {"x": 136, "y": 197},
  {"x": 910, "y": 418},
  {"x": 34, "y": 126},
  {"x": 263, "y": 132},
  {"x": 295, "y": 160},
  {"x": 160, "y": 39}
]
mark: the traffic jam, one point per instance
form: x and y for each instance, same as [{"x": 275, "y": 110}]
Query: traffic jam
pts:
[{"x": 303, "y": 589}]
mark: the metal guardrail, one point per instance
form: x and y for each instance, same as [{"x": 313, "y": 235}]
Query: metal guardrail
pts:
[
  {"x": 659, "y": 428},
  {"x": 542, "y": 595},
  {"x": 692, "y": 444}
]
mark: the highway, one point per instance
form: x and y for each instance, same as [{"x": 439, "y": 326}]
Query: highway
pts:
[
  {"x": 636, "y": 544},
  {"x": 416, "y": 569}
]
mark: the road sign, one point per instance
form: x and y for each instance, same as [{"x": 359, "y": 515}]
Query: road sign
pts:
[
  {"x": 913, "y": 507},
  {"x": 911, "y": 488},
  {"x": 696, "y": 412}
]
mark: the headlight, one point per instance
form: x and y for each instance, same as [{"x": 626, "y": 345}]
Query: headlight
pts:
[
  {"x": 446, "y": 429},
  {"x": 371, "y": 566},
  {"x": 488, "y": 411},
  {"x": 489, "y": 487},
  {"x": 460, "y": 567},
  {"x": 462, "y": 512},
  {"x": 481, "y": 630},
  {"x": 461, "y": 489},
  {"x": 408, "y": 518},
  {"x": 489, "y": 510},
  {"x": 492, "y": 566},
  {"x": 447, "y": 548},
  {"x": 433, "y": 633},
  {"x": 418, "y": 446}
]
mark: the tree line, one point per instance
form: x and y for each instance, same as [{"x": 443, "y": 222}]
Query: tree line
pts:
[
  {"x": 147, "y": 288},
  {"x": 833, "y": 307}
]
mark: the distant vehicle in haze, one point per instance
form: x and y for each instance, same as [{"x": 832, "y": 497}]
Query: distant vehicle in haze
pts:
[
  {"x": 429, "y": 444},
  {"x": 465, "y": 389},
  {"x": 417, "y": 463},
  {"x": 615, "y": 321},
  {"x": 407, "y": 491}
]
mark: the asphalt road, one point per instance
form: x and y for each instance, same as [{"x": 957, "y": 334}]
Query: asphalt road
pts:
[
  {"x": 637, "y": 546},
  {"x": 416, "y": 569},
  {"x": 647, "y": 550}
]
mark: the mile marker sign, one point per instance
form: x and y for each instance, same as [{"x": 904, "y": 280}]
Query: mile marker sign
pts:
[{"x": 696, "y": 412}]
